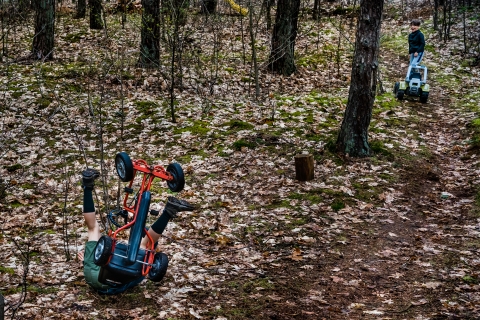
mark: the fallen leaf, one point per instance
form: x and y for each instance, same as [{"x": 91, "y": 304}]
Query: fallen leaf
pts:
[{"x": 296, "y": 255}]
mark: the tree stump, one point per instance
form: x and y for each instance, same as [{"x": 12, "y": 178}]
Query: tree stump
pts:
[{"x": 304, "y": 167}]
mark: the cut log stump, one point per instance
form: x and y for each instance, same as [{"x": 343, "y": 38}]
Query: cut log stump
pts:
[{"x": 304, "y": 167}]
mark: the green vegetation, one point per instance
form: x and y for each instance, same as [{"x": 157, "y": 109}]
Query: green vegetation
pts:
[
  {"x": 199, "y": 128},
  {"x": 146, "y": 107},
  {"x": 378, "y": 148},
  {"x": 312, "y": 196},
  {"x": 13, "y": 167},
  {"x": 74, "y": 37},
  {"x": 6, "y": 270},
  {"x": 43, "y": 102},
  {"x": 397, "y": 43},
  {"x": 237, "y": 125},
  {"x": 470, "y": 279},
  {"x": 337, "y": 205},
  {"x": 237, "y": 145},
  {"x": 315, "y": 60}
]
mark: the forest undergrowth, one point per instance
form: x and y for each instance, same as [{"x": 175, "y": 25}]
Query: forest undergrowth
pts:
[{"x": 393, "y": 236}]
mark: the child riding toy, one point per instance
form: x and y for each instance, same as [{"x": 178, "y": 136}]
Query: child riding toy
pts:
[
  {"x": 415, "y": 84},
  {"x": 122, "y": 262}
]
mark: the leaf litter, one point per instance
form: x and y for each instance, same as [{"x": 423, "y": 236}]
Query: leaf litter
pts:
[{"x": 366, "y": 238}]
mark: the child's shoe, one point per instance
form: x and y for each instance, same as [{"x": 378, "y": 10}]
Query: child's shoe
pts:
[
  {"x": 175, "y": 205},
  {"x": 88, "y": 177}
]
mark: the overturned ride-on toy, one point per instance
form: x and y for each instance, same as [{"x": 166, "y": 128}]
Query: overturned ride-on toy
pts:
[
  {"x": 415, "y": 84},
  {"x": 122, "y": 262}
]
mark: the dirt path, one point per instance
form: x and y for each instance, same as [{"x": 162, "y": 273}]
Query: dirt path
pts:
[{"x": 414, "y": 258}]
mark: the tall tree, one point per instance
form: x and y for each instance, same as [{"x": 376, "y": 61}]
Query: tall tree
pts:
[
  {"x": 209, "y": 6},
  {"x": 316, "y": 9},
  {"x": 267, "y": 4},
  {"x": 81, "y": 9},
  {"x": 283, "y": 38},
  {"x": 43, "y": 40},
  {"x": 150, "y": 35},
  {"x": 353, "y": 135},
  {"x": 177, "y": 10},
  {"x": 96, "y": 9}
]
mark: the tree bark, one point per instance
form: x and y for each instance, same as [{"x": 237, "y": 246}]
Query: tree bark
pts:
[
  {"x": 316, "y": 9},
  {"x": 177, "y": 10},
  {"x": 304, "y": 167},
  {"x": 96, "y": 21},
  {"x": 81, "y": 9},
  {"x": 283, "y": 38},
  {"x": 209, "y": 6},
  {"x": 43, "y": 40},
  {"x": 267, "y": 4},
  {"x": 150, "y": 34},
  {"x": 2, "y": 307},
  {"x": 353, "y": 135}
]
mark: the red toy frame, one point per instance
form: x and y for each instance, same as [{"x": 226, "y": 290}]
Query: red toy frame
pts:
[{"x": 149, "y": 174}]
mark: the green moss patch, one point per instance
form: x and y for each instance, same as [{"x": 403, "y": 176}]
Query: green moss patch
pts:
[
  {"x": 14, "y": 167},
  {"x": 6, "y": 270},
  {"x": 199, "y": 128},
  {"x": 239, "y": 144},
  {"x": 237, "y": 125}
]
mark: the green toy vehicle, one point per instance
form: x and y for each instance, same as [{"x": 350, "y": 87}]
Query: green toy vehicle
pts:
[{"x": 415, "y": 84}]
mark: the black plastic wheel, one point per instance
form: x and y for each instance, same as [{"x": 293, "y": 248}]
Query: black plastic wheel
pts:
[
  {"x": 424, "y": 97},
  {"x": 400, "y": 94},
  {"x": 124, "y": 166},
  {"x": 103, "y": 251},
  {"x": 396, "y": 87},
  {"x": 178, "y": 177},
  {"x": 159, "y": 267},
  {"x": 118, "y": 217}
]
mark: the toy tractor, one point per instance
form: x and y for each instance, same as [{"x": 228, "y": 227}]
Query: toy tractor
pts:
[{"x": 415, "y": 84}]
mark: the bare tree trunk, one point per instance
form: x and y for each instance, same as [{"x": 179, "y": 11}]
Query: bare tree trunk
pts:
[
  {"x": 283, "y": 39},
  {"x": 2, "y": 307},
  {"x": 150, "y": 35},
  {"x": 43, "y": 40},
  {"x": 449, "y": 24},
  {"x": 254, "y": 49},
  {"x": 316, "y": 10},
  {"x": 435, "y": 14},
  {"x": 172, "y": 73},
  {"x": 209, "y": 6},
  {"x": 268, "y": 12},
  {"x": 123, "y": 8},
  {"x": 81, "y": 9},
  {"x": 177, "y": 10},
  {"x": 464, "y": 9},
  {"x": 96, "y": 21},
  {"x": 353, "y": 135}
]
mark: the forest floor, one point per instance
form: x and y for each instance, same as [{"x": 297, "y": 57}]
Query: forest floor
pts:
[{"x": 393, "y": 236}]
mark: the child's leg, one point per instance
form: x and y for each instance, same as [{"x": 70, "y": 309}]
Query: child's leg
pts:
[
  {"x": 419, "y": 58},
  {"x": 172, "y": 207},
  {"x": 416, "y": 60},
  {"x": 89, "y": 206}
]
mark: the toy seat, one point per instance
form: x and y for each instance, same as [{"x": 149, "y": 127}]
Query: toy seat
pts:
[
  {"x": 415, "y": 75},
  {"x": 118, "y": 271}
]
